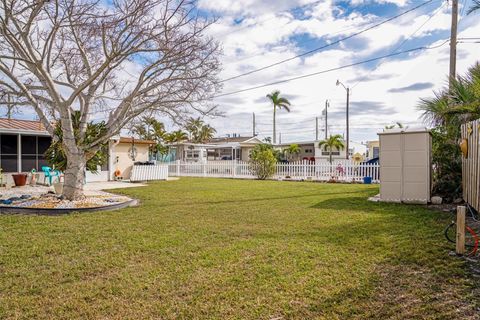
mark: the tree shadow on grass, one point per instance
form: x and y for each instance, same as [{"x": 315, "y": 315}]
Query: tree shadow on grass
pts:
[
  {"x": 189, "y": 202},
  {"x": 401, "y": 290}
]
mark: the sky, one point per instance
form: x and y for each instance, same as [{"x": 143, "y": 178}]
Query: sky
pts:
[{"x": 256, "y": 33}]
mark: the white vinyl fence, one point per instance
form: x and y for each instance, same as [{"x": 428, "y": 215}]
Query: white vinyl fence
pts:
[
  {"x": 149, "y": 172},
  {"x": 302, "y": 170}
]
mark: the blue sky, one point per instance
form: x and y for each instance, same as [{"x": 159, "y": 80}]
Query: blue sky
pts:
[{"x": 257, "y": 33}]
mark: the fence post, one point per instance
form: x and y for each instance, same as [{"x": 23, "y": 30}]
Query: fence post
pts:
[
  {"x": 204, "y": 168},
  {"x": 460, "y": 243},
  {"x": 234, "y": 173},
  {"x": 178, "y": 168}
]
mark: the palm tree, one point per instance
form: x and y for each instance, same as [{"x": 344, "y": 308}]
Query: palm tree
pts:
[
  {"x": 149, "y": 128},
  {"x": 474, "y": 7},
  {"x": 446, "y": 111},
  {"x": 193, "y": 127},
  {"x": 278, "y": 102},
  {"x": 457, "y": 105},
  {"x": 198, "y": 131},
  {"x": 397, "y": 124},
  {"x": 334, "y": 142},
  {"x": 176, "y": 137},
  {"x": 292, "y": 149},
  {"x": 206, "y": 133}
]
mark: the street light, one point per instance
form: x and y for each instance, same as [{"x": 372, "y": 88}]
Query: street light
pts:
[
  {"x": 348, "y": 127},
  {"x": 325, "y": 113}
]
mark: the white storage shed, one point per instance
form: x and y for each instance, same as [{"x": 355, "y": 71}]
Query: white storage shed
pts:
[{"x": 405, "y": 165}]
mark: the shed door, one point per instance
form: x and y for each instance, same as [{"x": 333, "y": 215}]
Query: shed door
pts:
[
  {"x": 391, "y": 167},
  {"x": 416, "y": 168}
]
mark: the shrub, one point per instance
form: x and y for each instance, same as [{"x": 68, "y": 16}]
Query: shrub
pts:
[
  {"x": 447, "y": 163},
  {"x": 55, "y": 154},
  {"x": 262, "y": 161}
]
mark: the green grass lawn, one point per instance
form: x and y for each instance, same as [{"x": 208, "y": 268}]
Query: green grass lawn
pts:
[{"x": 235, "y": 249}]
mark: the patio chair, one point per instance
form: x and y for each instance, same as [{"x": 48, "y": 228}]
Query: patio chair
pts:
[{"x": 50, "y": 174}]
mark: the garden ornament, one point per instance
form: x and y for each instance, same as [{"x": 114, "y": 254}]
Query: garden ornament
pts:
[{"x": 464, "y": 147}]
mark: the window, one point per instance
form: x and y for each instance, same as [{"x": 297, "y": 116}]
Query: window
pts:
[
  {"x": 334, "y": 153},
  {"x": 33, "y": 149},
  {"x": 8, "y": 152},
  {"x": 376, "y": 152}
]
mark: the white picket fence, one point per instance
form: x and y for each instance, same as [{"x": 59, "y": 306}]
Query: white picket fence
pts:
[
  {"x": 150, "y": 172},
  {"x": 302, "y": 170}
]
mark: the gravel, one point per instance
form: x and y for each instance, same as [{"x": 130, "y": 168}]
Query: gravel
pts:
[{"x": 43, "y": 197}]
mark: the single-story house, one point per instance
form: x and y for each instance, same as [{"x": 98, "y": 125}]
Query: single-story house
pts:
[
  {"x": 234, "y": 148},
  {"x": 373, "y": 149},
  {"x": 24, "y": 142},
  {"x": 309, "y": 150}
]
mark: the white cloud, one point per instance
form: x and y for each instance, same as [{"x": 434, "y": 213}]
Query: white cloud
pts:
[{"x": 374, "y": 103}]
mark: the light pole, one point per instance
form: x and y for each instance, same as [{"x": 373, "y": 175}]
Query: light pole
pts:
[
  {"x": 348, "y": 124},
  {"x": 327, "y": 104}
]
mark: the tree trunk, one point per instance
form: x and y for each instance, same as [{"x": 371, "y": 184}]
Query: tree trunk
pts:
[{"x": 74, "y": 176}]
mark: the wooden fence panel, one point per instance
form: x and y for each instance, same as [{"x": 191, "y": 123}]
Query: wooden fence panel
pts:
[{"x": 470, "y": 164}]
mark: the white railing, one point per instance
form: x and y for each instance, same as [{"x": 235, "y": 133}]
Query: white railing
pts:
[
  {"x": 301, "y": 170},
  {"x": 149, "y": 172}
]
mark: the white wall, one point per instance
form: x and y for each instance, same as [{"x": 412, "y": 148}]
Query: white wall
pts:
[{"x": 122, "y": 161}]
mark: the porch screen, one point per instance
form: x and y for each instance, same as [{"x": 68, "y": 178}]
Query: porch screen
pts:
[
  {"x": 8, "y": 152},
  {"x": 33, "y": 149}
]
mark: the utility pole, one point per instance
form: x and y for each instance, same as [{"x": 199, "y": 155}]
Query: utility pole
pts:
[
  {"x": 347, "y": 116},
  {"x": 453, "y": 44},
  {"x": 327, "y": 104},
  {"x": 254, "y": 133},
  {"x": 316, "y": 128}
]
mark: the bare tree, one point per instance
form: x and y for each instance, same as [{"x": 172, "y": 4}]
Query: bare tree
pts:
[{"x": 119, "y": 59}]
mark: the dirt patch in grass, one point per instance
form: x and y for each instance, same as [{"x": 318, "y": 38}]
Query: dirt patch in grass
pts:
[{"x": 414, "y": 292}]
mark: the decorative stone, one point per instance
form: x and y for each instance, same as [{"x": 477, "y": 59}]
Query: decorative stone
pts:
[
  {"x": 436, "y": 200},
  {"x": 458, "y": 201}
]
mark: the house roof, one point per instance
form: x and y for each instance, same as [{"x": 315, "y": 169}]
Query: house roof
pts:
[
  {"x": 229, "y": 139},
  {"x": 22, "y": 126},
  {"x": 136, "y": 141}
]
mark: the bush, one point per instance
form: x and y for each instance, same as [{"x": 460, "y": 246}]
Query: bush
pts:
[
  {"x": 263, "y": 161},
  {"x": 447, "y": 163},
  {"x": 55, "y": 154}
]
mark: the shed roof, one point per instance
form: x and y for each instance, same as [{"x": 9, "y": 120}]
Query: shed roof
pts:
[{"x": 404, "y": 131}]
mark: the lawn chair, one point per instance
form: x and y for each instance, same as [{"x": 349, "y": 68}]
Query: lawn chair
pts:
[{"x": 50, "y": 174}]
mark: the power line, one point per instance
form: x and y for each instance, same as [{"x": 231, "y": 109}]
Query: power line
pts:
[
  {"x": 328, "y": 45},
  {"x": 330, "y": 70},
  {"x": 268, "y": 19},
  {"x": 300, "y": 43},
  {"x": 405, "y": 40}
]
